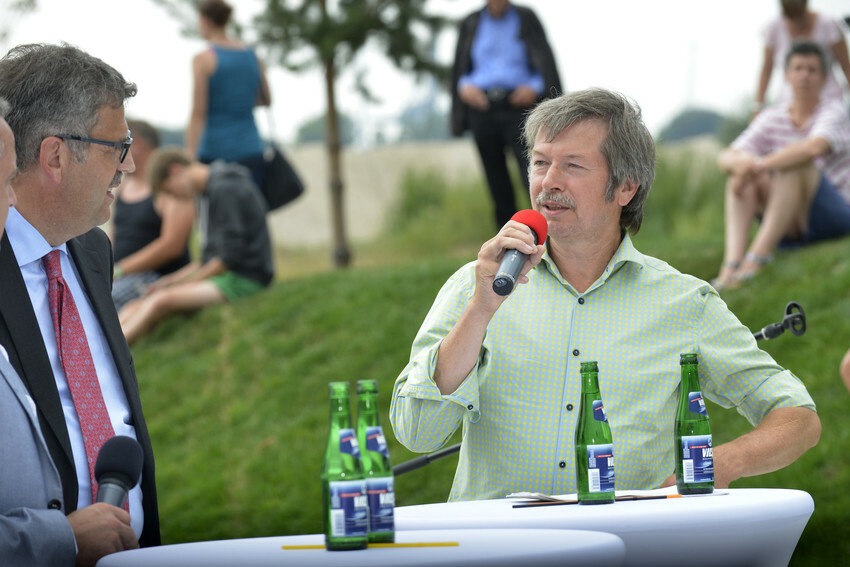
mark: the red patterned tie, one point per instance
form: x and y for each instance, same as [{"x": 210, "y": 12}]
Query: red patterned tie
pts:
[{"x": 77, "y": 362}]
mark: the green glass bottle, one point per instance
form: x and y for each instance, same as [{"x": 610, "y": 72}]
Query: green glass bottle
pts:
[
  {"x": 694, "y": 451},
  {"x": 377, "y": 470},
  {"x": 346, "y": 511},
  {"x": 593, "y": 443}
]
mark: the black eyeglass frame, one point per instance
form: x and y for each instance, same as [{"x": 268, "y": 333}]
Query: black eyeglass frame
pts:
[{"x": 123, "y": 146}]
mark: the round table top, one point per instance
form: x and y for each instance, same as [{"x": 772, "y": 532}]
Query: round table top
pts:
[
  {"x": 415, "y": 548},
  {"x": 733, "y": 526}
]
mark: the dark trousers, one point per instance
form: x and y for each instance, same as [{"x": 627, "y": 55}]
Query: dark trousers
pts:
[{"x": 494, "y": 130}]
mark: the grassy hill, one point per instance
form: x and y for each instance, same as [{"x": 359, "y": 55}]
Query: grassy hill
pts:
[{"x": 236, "y": 396}]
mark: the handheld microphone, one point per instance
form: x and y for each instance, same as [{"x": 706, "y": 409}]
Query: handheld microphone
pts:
[
  {"x": 118, "y": 469},
  {"x": 514, "y": 260}
]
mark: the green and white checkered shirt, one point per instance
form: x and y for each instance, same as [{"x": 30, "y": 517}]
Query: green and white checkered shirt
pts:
[{"x": 519, "y": 405}]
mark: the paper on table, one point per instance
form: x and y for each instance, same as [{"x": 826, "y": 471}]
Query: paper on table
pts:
[{"x": 539, "y": 496}]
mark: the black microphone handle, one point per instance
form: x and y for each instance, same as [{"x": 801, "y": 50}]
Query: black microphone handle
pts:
[{"x": 509, "y": 269}]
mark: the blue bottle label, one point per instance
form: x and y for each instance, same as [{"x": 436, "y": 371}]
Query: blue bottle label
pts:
[
  {"x": 696, "y": 403},
  {"x": 599, "y": 411},
  {"x": 600, "y": 468},
  {"x": 349, "y": 514},
  {"x": 348, "y": 443},
  {"x": 375, "y": 441},
  {"x": 381, "y": 504},
  {"x": 697, "y": 458}
]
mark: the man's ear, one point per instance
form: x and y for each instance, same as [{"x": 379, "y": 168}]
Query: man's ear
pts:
[
  {"x": 54, "y": 157},
  {"x": 626, "y": 192}
]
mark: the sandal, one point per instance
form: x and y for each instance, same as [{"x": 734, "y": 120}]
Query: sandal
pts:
[
  {"x": 719, "y": 282},
  {"x": 759, "y": 261}
]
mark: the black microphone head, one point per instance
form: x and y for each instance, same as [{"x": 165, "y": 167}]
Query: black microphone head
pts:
[{"x": 120, "y": 456}]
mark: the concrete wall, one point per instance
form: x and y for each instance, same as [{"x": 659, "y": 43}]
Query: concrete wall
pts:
[{"x": 371, "y": 181}]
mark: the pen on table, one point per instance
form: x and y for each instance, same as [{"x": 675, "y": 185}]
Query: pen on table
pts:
[{"x": 625, "y": 498}]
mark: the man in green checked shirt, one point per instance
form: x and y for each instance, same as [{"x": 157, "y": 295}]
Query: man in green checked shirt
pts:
[{"x": 508, "y": 367}]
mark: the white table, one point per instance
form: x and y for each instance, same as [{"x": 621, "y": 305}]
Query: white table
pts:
[
  {"x": 730, "y": 527},
  {"x": 500, "y": 547}
]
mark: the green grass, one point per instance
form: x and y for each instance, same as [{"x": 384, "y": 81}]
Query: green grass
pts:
[{"x": 236, "y": 396}]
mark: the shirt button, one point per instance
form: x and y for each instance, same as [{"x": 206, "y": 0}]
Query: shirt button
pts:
[
  {"x": 581, "y": 301},
  {"x": 562, "y": 464},
  {"x": 575, "y": 352},
  {"x": 469, "y": 407},
  {"x": 54, "y": 505},
  {"x": 569, "y": 407}
]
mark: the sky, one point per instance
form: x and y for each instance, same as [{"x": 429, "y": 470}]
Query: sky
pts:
[{"x": 667, "y": 55}]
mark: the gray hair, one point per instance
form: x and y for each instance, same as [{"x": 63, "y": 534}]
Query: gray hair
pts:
[
  {"x": 4, "y": 109},
  {"x": 56, "y": 89},
  {"x": 628, "y": 147}
]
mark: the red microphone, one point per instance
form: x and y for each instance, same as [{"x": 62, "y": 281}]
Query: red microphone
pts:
[{"x": 514, "y": 260}]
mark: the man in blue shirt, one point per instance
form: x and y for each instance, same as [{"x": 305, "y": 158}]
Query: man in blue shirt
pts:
[{"x": 503, "y": 66}]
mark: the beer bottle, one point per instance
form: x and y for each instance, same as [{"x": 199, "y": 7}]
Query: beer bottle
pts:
[
  {"x": 694, "y": 451},
  {"x": 377, "y": 471},
  {"x": 593, "y": 443},
  {"x": 346, "y": 513}
]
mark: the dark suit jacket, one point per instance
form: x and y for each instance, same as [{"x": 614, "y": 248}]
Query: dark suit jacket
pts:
[
  {"x": 540, "y": 58},
  {"x": 20, "y": 335}
]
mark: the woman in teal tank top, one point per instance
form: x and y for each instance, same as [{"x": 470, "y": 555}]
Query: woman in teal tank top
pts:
[{"x": 229, "y": 81}]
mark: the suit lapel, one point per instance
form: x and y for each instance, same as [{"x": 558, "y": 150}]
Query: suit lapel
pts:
[{"x": 20, "y": 334}]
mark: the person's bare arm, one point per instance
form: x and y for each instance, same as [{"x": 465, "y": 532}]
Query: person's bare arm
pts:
[
  {"x": 839, "y": 51},
  {"x": 764, "y": 79},
  {"x": 795, "y": 154},
  {"x": 202, "y": 67},
  {"x": 178, "y": 215},
  {"x": 460, "y": 349},
  {"x": 780, "y": 439}
]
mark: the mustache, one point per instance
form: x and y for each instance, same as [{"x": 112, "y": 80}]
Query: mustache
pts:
[
  {"x": 116, "y": 181},
  {"x": 554, "y": 197}
]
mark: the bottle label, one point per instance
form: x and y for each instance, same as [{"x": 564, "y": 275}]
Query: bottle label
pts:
[
  {"x": 348, "y": 443},
  {"x": 600, "y": 468},
  {"x": 697, "y": 458},
  {"x": 381, "y": 504},
  {"x": 599, "y": 411},
  {"x": 696, "y": 403},
  {"x": 349, "y": 514},
  {"x": 375, "y": 441}
]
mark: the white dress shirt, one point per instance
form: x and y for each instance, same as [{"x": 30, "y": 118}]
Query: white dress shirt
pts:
[{"x": 29, "y": 247}]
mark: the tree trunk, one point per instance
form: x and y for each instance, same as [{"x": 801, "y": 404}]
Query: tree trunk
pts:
[{"x": 341, "y": 252}]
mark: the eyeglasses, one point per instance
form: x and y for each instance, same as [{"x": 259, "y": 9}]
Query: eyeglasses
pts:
[{"x": 124, "y": 146}]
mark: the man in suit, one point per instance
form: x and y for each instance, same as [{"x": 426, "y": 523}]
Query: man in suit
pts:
[
  {"x": 72, "y": 145},
  {"x": 503, "y": 66},
  {"x": 33, "y": 527}
]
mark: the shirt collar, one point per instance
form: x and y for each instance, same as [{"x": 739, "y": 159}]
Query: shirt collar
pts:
[
  {"x": 27, "y": 242},
  {"x": 626, "y": 252}
]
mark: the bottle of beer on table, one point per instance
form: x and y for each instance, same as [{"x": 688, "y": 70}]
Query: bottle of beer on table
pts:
[
  {"x": 346, "y": 511},
  {"x": 593, "y": 443},
  {"x": 377, "y": 471},
  {"x": 694, "y": 451}
]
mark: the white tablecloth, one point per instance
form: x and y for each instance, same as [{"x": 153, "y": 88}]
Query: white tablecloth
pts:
[
  {"x": 729, "y": 527},
  {"x": 499, "y": 547}
]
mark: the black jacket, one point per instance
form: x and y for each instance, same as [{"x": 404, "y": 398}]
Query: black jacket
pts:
[
  {"x": 540, "y": 57},
  {"x": 20, "y": 335}
]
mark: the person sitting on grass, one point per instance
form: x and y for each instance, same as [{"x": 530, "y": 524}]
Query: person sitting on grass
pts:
[
  {"x": 236, "y": 248},
  {"x": 791, "y": 169}
]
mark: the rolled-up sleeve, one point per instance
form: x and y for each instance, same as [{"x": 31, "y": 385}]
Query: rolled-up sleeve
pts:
[
  {"x": 422, "y": 418},
  {"x": 735, "y": 372}
]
